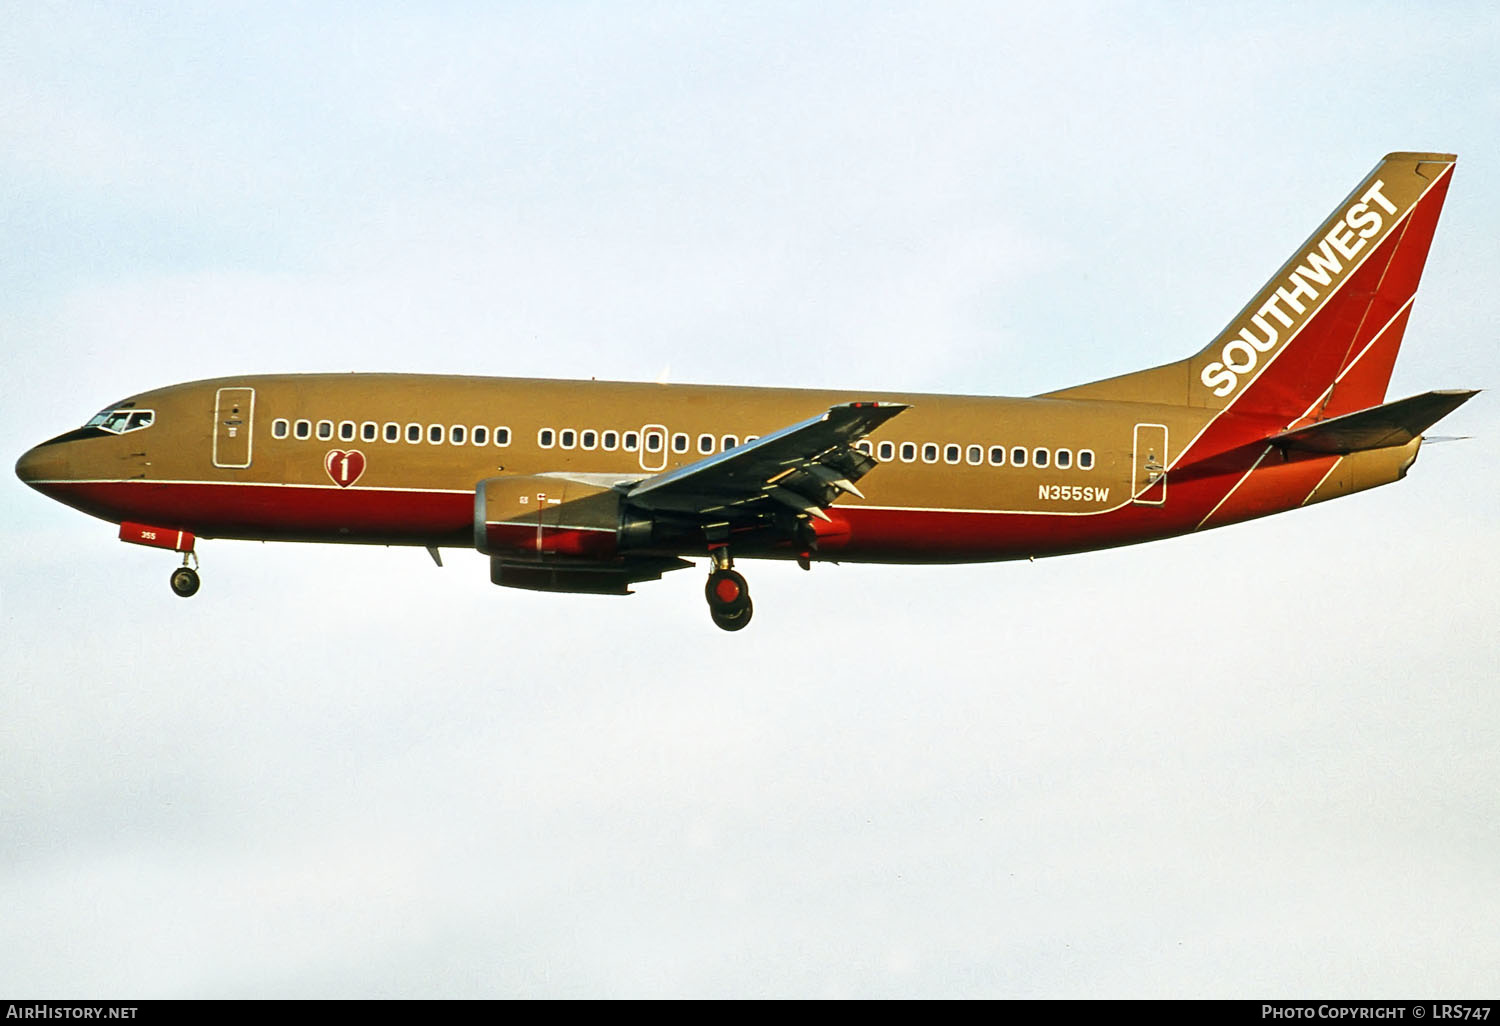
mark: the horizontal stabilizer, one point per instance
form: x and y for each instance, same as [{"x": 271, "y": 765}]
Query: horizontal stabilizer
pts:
[{"x": 1378, "y": 427}]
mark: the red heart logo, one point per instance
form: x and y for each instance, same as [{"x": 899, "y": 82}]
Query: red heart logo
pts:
[{"x": 344, "y": 467}]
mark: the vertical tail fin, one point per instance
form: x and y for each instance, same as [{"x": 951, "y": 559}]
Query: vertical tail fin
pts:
[{"x": 1320, "y": 338}]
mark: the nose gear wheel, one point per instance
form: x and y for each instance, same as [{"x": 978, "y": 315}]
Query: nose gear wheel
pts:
[{"x": 185, "y": 581}]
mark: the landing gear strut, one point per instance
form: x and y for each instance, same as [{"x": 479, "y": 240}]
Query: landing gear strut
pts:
[
  {"x": 727, "y": 593},
  {"x": 184, "y": 579}
]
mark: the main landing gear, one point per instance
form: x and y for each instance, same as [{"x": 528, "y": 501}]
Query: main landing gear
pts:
[
  {"x": 184, "y": 579},
  {"x": 727, "y": 593}
]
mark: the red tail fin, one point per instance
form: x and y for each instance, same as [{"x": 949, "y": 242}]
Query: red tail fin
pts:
[
  {"x": 1320, "y": 338},
  {"x": 1338, "y": 355}
]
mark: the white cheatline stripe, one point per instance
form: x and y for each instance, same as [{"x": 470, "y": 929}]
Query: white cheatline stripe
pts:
[
  {"x": 368, "y": 489},
  {"x": 351, "y": 489},
  {"x": 987, "y": 512}
]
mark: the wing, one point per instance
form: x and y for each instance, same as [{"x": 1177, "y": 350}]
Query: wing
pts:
[{"x": 805, "y": 467}]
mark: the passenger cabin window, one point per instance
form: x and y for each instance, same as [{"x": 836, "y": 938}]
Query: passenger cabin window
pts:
[
  {"x": 950, "y": 454},
  {"x": 589, "y": 440},
  {"x": 303, "y": 430},
  {"x": 369, "y": 431},
  {"x": 392, "y": 432},
  {"x": 997, "y": 455},
  {"x": 1039, "y": 457},
  {"x": 1085, "y": 459},
  {"x": 886, "y": 452},
  {"x": 481, "y": 435},
  {"x": 544, "y": 438},
  {"x": 458, "y": 434},
  {"x": 930, "y": 452},
  {"x": 325, "y": 430},
  {"x": 1064, "y": 459},
  {"x": 908, "y": 451},
  {"x": 435, "y": 433},
  {"x": 1018, "y": 457},
  {"x": 679, "y": 442},
  {"x": 865, "y": 446},
  {"x": 414, "y": 433},
  {"x": 609, "y": 441},
  {"x": 653, "y": 442},
  {"x": 502, "y": 436},
  {"x": 346, "y": 431},
  {"x": 705, "y": 444},
  {"x": 567, "y": 438},
  {"x": 280, "y": 427},
  {"x": 631, "y": 442},
  {"x": 976, "y": 455},
  {"x": 729, "y": 442}
]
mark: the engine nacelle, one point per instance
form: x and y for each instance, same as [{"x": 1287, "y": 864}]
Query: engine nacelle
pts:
[{"x": 543, "y": 515}]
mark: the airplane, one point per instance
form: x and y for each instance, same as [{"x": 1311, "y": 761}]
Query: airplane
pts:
[{"x": 593, "y": 487}]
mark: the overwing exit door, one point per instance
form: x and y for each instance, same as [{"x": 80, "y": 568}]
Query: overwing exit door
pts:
[{"x": 653, "y": 447}]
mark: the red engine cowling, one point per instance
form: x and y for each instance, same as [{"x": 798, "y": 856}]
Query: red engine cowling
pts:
[{"x": 556, "y": 516}]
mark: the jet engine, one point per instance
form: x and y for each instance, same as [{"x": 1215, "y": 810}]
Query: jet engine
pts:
[{"x": 542, "y": 515}]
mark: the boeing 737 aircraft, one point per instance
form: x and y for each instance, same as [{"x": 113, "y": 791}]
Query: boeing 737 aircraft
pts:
[{"x": 590, "y": 486}]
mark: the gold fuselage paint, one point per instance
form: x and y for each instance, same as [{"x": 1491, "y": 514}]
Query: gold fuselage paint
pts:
[{"x": 948, "y": 453}]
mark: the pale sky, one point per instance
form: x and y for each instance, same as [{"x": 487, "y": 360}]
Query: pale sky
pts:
[{"x": 1263, "y": 761}]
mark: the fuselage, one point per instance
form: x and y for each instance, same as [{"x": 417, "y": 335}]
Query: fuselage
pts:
[
  {"x": 593, "y": 487},
  {"x": 395, "y": 459}
]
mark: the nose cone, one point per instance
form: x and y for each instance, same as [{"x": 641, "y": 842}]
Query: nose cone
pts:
[{"x": 43, "y": 463}]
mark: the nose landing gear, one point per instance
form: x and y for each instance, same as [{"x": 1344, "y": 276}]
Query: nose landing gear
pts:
[
  {"x": 184, "y": 579},
  {"x": 727, "y": 593}
]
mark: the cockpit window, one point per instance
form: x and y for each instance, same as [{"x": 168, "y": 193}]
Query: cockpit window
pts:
[{"x": 118, "y": 422}]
